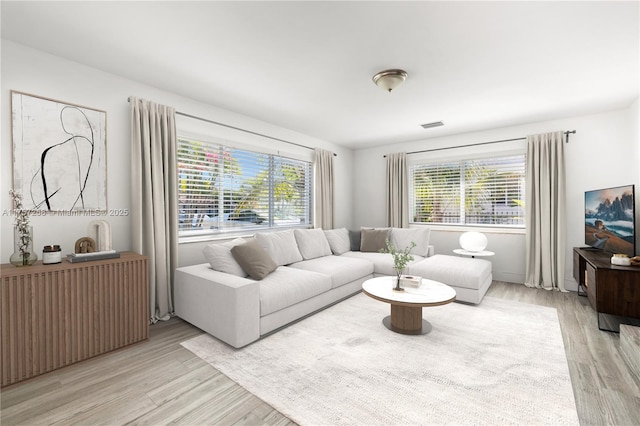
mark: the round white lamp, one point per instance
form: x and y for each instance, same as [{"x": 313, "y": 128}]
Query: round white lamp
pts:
[{"x": 473, "y": 241}]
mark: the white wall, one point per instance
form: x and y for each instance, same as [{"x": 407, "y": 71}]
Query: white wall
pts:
[
  {"x": 31, "y": 71},
  {"x": 604, "y": 152}
]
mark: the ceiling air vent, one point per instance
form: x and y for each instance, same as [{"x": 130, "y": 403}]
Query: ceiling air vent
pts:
[{"x": 430, "y": 125}]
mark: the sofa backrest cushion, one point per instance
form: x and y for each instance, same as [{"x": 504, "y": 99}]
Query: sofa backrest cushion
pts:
[
  {"x": 254, "y": 259},
  {"x": 339, "y": 240},
  {"x": 281, "y": 246},
  {"x": 220, "y": 258},
  {"x": 373, "y": 240},
  {"x": 312, "y": 243},
  {"x": 402, "y": 237}
]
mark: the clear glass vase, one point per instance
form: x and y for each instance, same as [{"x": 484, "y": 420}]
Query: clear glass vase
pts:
[
  {"x": 23, "y": 254},
  {"x": 398, "y": 275}
]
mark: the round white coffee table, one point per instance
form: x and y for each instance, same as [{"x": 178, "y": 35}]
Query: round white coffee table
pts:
[{"x": 406, "y": 306}]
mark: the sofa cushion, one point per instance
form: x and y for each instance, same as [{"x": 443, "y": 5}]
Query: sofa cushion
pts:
[
  {"x": 281, "y": 246},
  {"x": 287, "y": 286},
  {"x": 338, "y": 240},
  {"x": 342, "y": 270},
  {"x": 373, "y": 240},
  {"x": 253, "y": 259},
  {"x": 382, "y": 262},
  {"x": 312, "y": 243},
  {"x": 354, "y": 240},
  {"x": 220, "y": 258},
  {"x": 402, "y": 238}
]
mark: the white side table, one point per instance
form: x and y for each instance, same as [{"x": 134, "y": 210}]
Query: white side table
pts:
[{"x": 473, "y": 254}]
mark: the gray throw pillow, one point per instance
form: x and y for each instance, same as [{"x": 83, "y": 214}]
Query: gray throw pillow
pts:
[
  {"x": 374, "y": 240},
  {"x": 253, "y": 259},
  {"x": 354, "y": 240}
]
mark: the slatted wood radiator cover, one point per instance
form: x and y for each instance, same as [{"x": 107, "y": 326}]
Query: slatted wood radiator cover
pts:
[{"x": 56, "y": 315}]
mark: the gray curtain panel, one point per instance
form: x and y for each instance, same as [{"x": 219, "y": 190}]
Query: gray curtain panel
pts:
[
  {"x": 397, "y": 190},
  {"x": 323, "y": 166},
  {"x": 154, "y": 203},
  {"x": 545, "y": 211}
]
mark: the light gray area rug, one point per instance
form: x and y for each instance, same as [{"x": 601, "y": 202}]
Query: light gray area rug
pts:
[{"x": 501, "y": 362}]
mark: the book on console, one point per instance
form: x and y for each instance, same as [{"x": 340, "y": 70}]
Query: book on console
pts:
[{"x": 88, "y": 257}]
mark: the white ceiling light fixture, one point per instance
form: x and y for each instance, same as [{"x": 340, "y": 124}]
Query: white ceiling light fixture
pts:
[{"x": 389, "y": 80}]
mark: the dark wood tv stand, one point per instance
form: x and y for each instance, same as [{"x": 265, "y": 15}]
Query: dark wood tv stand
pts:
[{"x": 611, "y": 289}]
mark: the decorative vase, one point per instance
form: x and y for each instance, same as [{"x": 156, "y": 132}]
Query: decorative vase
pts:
[
  {"x": 23, "y": 254},
  {"x": 397, "y": 287}
]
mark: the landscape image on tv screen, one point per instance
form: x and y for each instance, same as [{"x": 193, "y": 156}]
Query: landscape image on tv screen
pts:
[{"x": 609, "y": 219}]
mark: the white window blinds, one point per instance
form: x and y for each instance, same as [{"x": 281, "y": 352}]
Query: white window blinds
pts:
[
  {"x": 469, "y": 192},
  {"x": 223, "y": 189}
]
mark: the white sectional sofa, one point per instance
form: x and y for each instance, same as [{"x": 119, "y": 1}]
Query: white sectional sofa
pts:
[{"x": 300, "y": 272}]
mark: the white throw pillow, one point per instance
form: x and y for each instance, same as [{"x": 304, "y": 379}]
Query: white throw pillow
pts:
[
  {"x": 281, "y": 246},
  {"x": 312, "y": 243},
  {"x": 338, "y": 240},
  {"x": 402, "y": 237},
  {"x": 220, "y": 258}
]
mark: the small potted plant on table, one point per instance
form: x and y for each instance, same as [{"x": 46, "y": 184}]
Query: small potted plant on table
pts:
[{"x": 400, "y": 260}]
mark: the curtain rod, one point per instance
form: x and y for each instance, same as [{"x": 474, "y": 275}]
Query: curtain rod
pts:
[
  {"x": 240, "y": 129},
  {"x": 479, "y": 143}
]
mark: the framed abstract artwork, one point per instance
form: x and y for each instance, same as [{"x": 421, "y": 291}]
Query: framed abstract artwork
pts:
[{"x": 59, "y": 154}]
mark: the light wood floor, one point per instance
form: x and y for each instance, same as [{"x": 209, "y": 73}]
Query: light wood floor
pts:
[{"x": 159, "y": 382}]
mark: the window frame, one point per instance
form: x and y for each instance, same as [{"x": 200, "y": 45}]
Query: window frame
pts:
[{"x": 460, "y": 160}]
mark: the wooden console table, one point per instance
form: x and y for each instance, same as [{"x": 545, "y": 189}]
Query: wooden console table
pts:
[
  {"x": 611, "y": 289},
  {"x": 56, "y": 315}
]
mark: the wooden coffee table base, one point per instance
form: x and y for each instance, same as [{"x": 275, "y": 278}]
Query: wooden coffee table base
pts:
[
  {"x": 406, "y": 306},
  {"x": 407, "y": 320}
]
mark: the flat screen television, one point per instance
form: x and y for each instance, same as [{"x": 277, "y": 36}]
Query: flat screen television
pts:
[{"x": 609, "y": 219}]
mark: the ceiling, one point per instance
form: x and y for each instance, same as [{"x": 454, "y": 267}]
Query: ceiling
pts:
[{"x": 307, "y": 66}]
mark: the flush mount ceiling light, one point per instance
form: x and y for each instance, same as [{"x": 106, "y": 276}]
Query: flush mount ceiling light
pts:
[{"x": 390, "y": 79}]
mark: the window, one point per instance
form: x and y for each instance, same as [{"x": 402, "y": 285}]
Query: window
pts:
[
  {"x": 224, "y": 189},
  {"x": 470, "y": 192}
]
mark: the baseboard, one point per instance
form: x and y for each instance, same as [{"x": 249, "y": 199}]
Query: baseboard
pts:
[
  {"x": 569, "y": 283},
  {"x": 509, "y": 277}
]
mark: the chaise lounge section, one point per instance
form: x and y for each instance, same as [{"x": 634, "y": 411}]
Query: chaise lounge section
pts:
[{"x": 470, "y": 278}]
